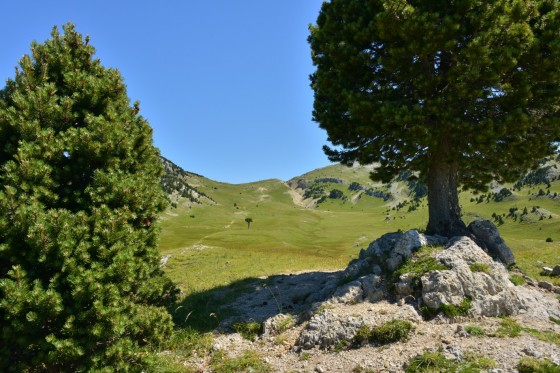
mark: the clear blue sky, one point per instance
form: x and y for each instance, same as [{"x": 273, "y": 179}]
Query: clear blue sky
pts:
[{"x": 223, "y": 83}]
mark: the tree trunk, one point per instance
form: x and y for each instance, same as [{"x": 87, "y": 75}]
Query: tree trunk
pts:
[{"x": 443, "y": 201}]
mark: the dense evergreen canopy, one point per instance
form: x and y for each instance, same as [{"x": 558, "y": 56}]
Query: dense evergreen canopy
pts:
[
  {"x": 463, "y": 91},
  {"x": 80, "y": 283}
]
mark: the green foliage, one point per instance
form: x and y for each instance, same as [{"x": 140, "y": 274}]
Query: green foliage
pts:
[
  {"x": 533, "y": 365},
  {"x": 509, "y": 328},
  {"x": 475, "y": 330},
  {"x": 480, "y": 267},
  {"x": 450, "y": 310},
  {"x": 249, "y": 361},
  {"x": 389, "y": 332},
  {"x": 410, "y": 84},
  {"x": 249, "y": 330},
  {"x": 80, "y": 283},
  {"x": 554, "y": 320},
  {"x": 517, "y": 280},
  {"x": 435, "y": 362},
  {"x": 418, "y": 264}
]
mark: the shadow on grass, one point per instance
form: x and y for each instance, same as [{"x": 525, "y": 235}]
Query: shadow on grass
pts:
[{"x": 253, "y": 299}]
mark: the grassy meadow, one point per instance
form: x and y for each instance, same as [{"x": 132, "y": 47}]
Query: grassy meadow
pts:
[{"x": 211, "y": 245}]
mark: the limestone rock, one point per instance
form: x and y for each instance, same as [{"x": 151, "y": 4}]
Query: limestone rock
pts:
[
  {"x": 487, "y": 232},
  {"x": 492, "y": 293},
  {"x": 327, "y": 329},
  {"x": 372, "y": 287},
  {"x": 277, "y": 324},
  {"x": 392, "y": 249},
  {"x": 349, "y": 293}
]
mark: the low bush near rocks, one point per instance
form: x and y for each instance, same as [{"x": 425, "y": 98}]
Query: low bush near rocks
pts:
[
  {"x": 480, "y": 267},
  {"x": 449, "y": 310},
  {"x": 517, "y": 280},
  {"x": 435, "y": 361},
  {"x": 389, "y": 332},
  {"x": 475, "y": 330},
  {"x": 508, "y": 328},
  {"x": 249, "y": 361},
  {"x": 248, "y": 330},
  {"x": 532, "y": 365}
]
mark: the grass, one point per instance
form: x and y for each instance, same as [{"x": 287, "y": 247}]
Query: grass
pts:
[
  {"x": 475, "y": 330},
  {"x": 435, "y": 361},
  {"x": 480, "y": 267},
  {"x": 510, "y": 328},
  {"x": 249, "y": 361},
  {"x": 248, "y": 329},
  {"x": 214, "y": 249},
  {"x": 533, "y": 365},
  {"x": 389, "y": 332},
  {"x": 449, "y": 310},
  {"x": 517, "y": 280}
]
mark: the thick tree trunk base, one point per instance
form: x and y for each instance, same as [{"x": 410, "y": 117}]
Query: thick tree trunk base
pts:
[{"x": 443, "y": 202}]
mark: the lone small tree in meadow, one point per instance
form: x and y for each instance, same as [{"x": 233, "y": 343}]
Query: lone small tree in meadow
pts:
[
  {"x": 248, "y": 221},
  {"x": 80, "y": 283},
  {"x": 451, "y": 89}
]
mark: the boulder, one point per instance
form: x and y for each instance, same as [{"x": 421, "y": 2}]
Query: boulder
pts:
[
  {"x": 326, "y": 329},
  {"x": 491, "y": 292},
  {"x": 555, "y": 271},
  {"x": 390, "y": 250},
  {"x": 350, "y": 293},
  {"x": 487, "y": 233}
]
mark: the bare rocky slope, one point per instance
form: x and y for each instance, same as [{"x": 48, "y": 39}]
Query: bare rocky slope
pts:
[{"x": 445, "y": 290}]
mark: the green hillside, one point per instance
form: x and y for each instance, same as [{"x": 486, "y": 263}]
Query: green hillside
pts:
[{"x": 303, "y": 225}]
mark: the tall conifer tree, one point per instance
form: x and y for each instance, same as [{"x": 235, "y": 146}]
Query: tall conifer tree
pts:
[
  {"x": 80, "y": 283},
  {"x": 462, "y": 91}
]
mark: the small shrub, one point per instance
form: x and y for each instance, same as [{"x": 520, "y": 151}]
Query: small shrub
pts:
[
  {"x": 475, "y": 330},
  {"x": 391, "y": 331},
  {"x": 532, "y": 365},
  {"x": 509, "y": 328},
  {"x": 436, "y": 362},
  {"x": 517, "y": 280},
  {"x": 548, "y": 239},
  {"x": 554, "y": 320},
  {"x": 304, "y": 356},
  {"x": 249, "y": 361},
  {"x": 285, "y": 324},
  {"x": 248, "y": 330},
  {"x": 342, "y": 345},
  {"x": 480, "y": 267},
  {"x": 451, "y": 310},
  {"x": 429, "y": 362}
]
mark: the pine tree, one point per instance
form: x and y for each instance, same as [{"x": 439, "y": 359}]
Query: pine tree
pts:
[
  {"x": 80, "y": 283},
  {"x": 451, "y": 89}
]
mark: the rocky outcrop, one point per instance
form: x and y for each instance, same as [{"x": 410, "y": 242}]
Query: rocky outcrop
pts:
[
  {"x": 326, "y": 330},
  {"x": 471, "y": 274},
  {"x": 389, "y": 251}
]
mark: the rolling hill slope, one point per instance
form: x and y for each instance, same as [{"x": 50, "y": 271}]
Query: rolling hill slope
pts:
[{"x": 321, "y": 219}]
